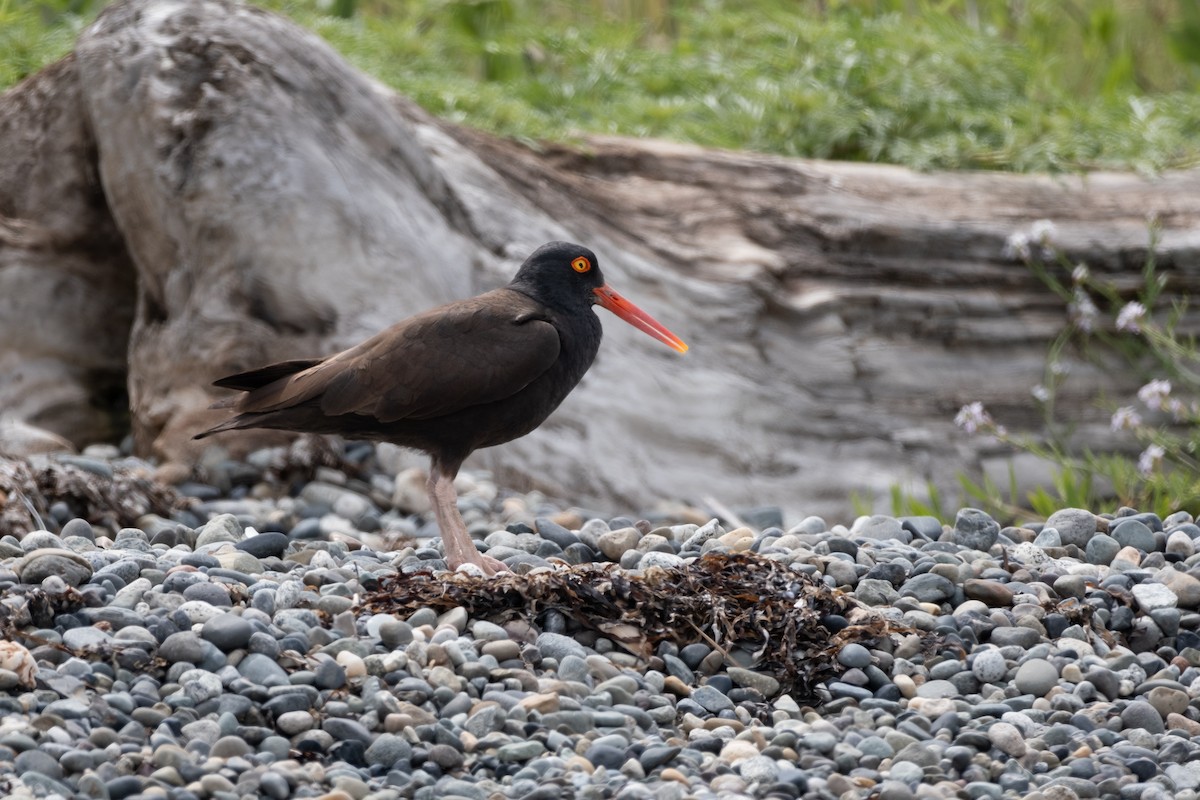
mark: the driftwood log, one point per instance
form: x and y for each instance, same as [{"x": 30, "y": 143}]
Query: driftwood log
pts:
[{"x": 203, "y": 187}]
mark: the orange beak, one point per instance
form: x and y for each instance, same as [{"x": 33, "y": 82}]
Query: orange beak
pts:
[{"x": 639, "y": 319}]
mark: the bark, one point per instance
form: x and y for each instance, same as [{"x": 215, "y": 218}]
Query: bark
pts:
[{"x": 257, "y": 199}]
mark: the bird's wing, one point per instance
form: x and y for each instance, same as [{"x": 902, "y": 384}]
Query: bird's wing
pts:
[
  {"x": 257, "y": 378},
  {"x": 447, "y": 359}
]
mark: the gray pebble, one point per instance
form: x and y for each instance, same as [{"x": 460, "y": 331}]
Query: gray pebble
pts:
[
  {"x": 558, "y": 646},
  {"x": 975, "y": 529}
]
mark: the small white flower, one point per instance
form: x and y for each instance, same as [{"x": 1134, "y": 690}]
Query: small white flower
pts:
[
  {"x": 1155, "y": 393},
  {"x": 1081, "y": 273},
  {"x": 1083, "y": 311},
  {"x": 1125, "y": 418},
  {"x": 972, "y": 417},
  {"x": 1040, "y": 393},
  {"x": 1043, "y": 233},
  {"x": 1150, "y": 460},
  {"x": 1016, "y": 247},
  {"x": 1059, "y": 368},
  {"x": 1131, "y": 316},
  {"x": 1180, "y": 410}
]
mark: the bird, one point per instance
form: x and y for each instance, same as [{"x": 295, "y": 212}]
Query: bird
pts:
[{"x": 462, "y": 376}]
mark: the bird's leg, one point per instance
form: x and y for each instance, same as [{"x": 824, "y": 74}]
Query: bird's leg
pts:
[{"x": 460, "y": 548}]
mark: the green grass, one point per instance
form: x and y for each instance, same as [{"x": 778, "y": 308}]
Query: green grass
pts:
[{"x": 1026, "y": 85}]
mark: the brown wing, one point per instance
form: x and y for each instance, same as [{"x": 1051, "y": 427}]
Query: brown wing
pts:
[{"x": 464, "y": 354}]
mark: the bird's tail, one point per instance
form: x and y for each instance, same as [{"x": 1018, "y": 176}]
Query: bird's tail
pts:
[{"x": 227, "y": 425}]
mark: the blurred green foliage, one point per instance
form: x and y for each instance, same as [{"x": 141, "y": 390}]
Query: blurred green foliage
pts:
[{"x": 1009, "y": 84}]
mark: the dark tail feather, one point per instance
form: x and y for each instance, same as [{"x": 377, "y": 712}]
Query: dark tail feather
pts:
[
  {"x": 257, "y": 378},
  {"x": 227, "y": 425}
]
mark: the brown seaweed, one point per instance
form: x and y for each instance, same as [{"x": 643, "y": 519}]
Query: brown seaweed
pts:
[{"x": 727, "y": 601}]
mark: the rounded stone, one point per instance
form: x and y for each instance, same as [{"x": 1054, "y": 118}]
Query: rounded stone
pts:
[
  {"x": 1015, "y": 636},
  {"x": 929, "y": 588},
  {"x": 79, "y": 527},
  {"x": 1133, "y": 533},
  {"x": 1167, "y": 700},
  {"x": 221, "y": 528},
  {"x": 1074, "y": 525},
  {"x": 880, "y": 528},
  {"x": 1140, "y": 714},
  {"x": 854, "y": 655},
  {"x": 614, "y": 544},
  {"x": 992, "y": 593},
  {"x": 264, "y": 545},
  {"x": 39, "y": 762},
  {"x": 293, "y": 722},
  {"x": 989, "y": 666},
  {"x": 712, "y": 699},
  {"x": 40, "y": 564},
  {"x": 558, "y": 646},
  {"x": 1037, "y": 676},
  {"x": 183, "y": 646},
  {"x": 387, "y": 749},
  {"x": 975, "y": 529},
  {"x": 1007, "y": 738},
  {"x": 1153, "y": 596},
  {"x": 227, "y": 631},
  {"x": 1101, "y": 549}
]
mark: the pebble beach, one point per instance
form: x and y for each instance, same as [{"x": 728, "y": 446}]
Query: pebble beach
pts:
[{"x": 234, "y": 648}]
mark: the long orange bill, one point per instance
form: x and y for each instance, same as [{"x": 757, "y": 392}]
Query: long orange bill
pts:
[{"x": 639, "y": 319}]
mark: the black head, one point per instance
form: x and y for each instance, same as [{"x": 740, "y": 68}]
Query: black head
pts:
[{"x": 560, "y": 275}]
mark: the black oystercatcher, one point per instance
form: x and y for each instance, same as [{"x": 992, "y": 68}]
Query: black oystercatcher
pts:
[{"x": 456, "y": 378}]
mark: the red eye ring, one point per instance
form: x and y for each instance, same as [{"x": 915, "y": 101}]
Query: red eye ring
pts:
[{"x": 581, "y": 264}]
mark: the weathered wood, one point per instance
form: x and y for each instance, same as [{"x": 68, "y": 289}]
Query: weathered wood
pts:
[
  {"x": 66, "y": 284},
  {"x": 273, "y": 203}
]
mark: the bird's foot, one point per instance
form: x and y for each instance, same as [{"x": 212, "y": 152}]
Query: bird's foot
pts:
[{"x": 488, "y": 565}]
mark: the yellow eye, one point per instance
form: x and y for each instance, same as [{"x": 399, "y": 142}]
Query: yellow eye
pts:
[{"x": 581, "y": 264}]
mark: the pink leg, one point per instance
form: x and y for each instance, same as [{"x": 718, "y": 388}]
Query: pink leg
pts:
[{"x": 460, "y": 548}]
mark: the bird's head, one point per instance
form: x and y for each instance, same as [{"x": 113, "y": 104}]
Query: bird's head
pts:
[{"x": 567, "y": 277}]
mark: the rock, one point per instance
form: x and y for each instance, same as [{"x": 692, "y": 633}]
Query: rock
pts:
[
  {"x": 656, "y": 559},
  {"x": 1180, "y": 544},
  {"x": 1018, "y": 636},
  {"x": 409, "y": 491},
  {"x": 614, "y": 544},
  {"x": 1138, "y": 714},
  {"x": 40, "y": 564},
  {"x": 1007, "y": 739},
  {"x": 761, "y": 682},
  {"x": 260, "y": 669},
  {"x": 928, "y": 588},
  {"x": 264, "y": 545},
  {"x": 1183, "y": 586},
  {"x": 1036, "y": 676},
  {"x": 880, "y": 528},
  {"x": 711, "y": 699},
  {"x": 1133, "y": 533},
  {"x": 854, "y": 655},
  {"x": 1153, "y": 596},
  {"x": 1074, "y": 525},
  {"x": 992, "y": 593},
  {"x": 521, "y": 751},
  {"x": 1167, "y": 700},
  {"x": 1102, "y": 549},
  {"x": 976, "y": 530},
  {"x": 875, "y": 592},
  {"x": 221, "y": 528},
  {"x": 184, "y": 646},
  {"x": 989, "y": 666},
  {"x": 558, "y": 647},
  {"x": 227, "y": 631}
]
